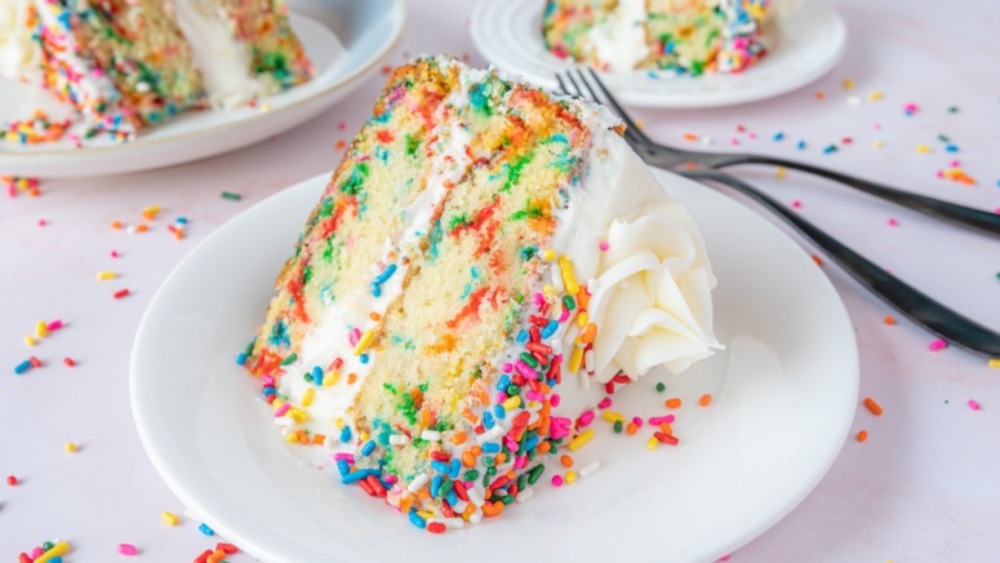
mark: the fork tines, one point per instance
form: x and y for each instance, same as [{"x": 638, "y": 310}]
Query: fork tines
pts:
[{"x": 570, "y": 81}]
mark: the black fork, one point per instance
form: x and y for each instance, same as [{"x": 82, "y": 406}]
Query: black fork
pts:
[
  {"x": 915, "y": 305},
  {"x": 671, "y": 158}
]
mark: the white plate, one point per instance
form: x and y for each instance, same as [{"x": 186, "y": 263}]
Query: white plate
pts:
[
  {"x": 345, "y": 40},
  {"x": 785, "y": 390},
  {"x": 803, "y": 46}
]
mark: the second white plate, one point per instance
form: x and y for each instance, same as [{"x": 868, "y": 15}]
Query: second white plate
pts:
[
  {"x": 345, "y": 40},
  {"x": 803, "y": 46},
  {"x": 785, "y": 392}
]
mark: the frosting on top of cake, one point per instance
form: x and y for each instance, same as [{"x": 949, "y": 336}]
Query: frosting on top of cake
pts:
[{"x": 20, "y": 54}]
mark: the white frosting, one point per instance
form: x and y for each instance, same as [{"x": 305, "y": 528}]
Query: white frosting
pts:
[
  {"x": 20, "y": 55},
  {"x": 224, "y": 62},
  {"x": 651, "y": 290},
  {"x": 620, "y": 39}
]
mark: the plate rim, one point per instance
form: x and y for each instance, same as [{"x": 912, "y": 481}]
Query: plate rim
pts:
[
  {"x": 688, "y": 101},
  {"x": 166, "y": 473},
  {"x": 398, "y": 7}
]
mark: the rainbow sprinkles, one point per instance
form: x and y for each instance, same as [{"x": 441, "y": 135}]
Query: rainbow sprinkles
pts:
[{"x": 486, "y": 263}]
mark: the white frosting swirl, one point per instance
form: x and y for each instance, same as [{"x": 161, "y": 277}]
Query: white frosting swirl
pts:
[{"x": 19, "y": 53}]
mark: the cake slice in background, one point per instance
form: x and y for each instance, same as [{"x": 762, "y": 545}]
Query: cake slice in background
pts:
[
  {"x": 125, "y": 65},
  {"x": 481, "y": 247},
  {"x": 683, "y": 36}
]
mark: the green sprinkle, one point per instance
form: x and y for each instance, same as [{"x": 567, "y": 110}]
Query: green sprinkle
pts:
[
  {"x": 529, "y": 359},
  {"x": 535, "y": 474},
  {"x": 231, "y": 196},
  {"x": 471, "y": 475},
  {"x": 618, "y": 427},
  {"x": 508, "y": 499},
  {"x": 660, "y": 387},
  {"x": 513, "y": 390},
  {"x": 290, "y": 359},
  {"x": 569, "y": 302}
]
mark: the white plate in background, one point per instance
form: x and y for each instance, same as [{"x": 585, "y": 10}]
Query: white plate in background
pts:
[
  {"x": 346, "y": 40},
  {"x": 785, "y": 393},
  {"x": 804, "y": 44}
]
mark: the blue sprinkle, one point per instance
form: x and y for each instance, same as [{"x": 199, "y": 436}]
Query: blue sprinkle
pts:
[
  {"x": 343, "y": 467},
  {"x": 503, "y": 382},
  {"x": 530, "y": 444},
  {"x": 363, "y": 358},
  {"x": 491, "y": 447},
  {"x": 358, "y": 475},
  {"x": 499, "y": 412},
  {"x": 436, "y": 486},
  {"x": 268, "y": 391},
  {"x": 345, "y": 435},
  {"x": 384, "y": 276},
  {"x": 181, "y": 220},
  {"x": 522, "y": 337},
  {"x": 22, "y": 367},
  {"x": 801, "y": 146},
  {"x": 551, "y": 382},
  {"x": 441, "y": 467},
  {"x": 452, "y": 498},
  {"x": 951, "y": 148},
  {"x": 241, "y": 359},
  {"x": 456, "y": 467},
  {"x": 830, "y": 149},
  {"x": 487, "y": 420},
  {"x": 416, "y": 519},
  {"x": 376, "y": 290},
  {"x": 779, "y": 136},
  {"x": 368, "y": 448},
  {"x": 550, "y": 329},
  {"x": 206, "y": 530},
  {"x": 56, "y": 559},
  {"x": 317, "y": 373}
]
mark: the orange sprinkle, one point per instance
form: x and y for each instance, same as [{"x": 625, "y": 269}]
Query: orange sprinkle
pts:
[
  {"x": 875, "y": 408},
  {"x": 820, "y": 95},
  {"x": 476, "y": 450},
  {"x": 544, "y": 447},
  {"x": 889, "y": 320},
  {"x": 817, "y": 259},
  {"x": 631, "y": 429},
  {"x": 141, "y": 228},
  {"x": 303, "y": 438},
  {"x": 862, "y": 435},
  {"x": 340, "y": 145},
  {"x": 666, "y": 428},
  {"x": 319, "y": 438},
  {"x": 492, "y": 508},
  {"x": 588, "y": 334},
  {"x": 459, "y": 438},
  {"x": 705, "y": 400},
  {"x": 566, "y": 461},
  {"x": 116, "y": 225},
  {"x": 500, "y": 458},
  {"x": 374, "y": 316},
  {"x": 673, "y": 403},
  {"x": 690, "y": 137},
  {"x": 468, "y": 458},
  {"x": 351, "y": 378}
]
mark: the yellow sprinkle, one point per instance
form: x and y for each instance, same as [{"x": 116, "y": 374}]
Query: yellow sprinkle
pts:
[
  {"x": 292, "y": 438},
  {"x": 276, "y": 404},
  {"x": 780, "y": 172},
  {"x": 339, "y": 422},
  {"x": 576, "y": 359},
  {"x": 549, "y": 255},
  {"x": 70, "y": 447},
  {"x": 104, "y": 275},
  {"x": 848, "y": 84},
  {"x": 652, "y": 443},
  {"x": 169, "y": 518},
  {"x": 425, "y": 514},
  {"x": 582, "y": 319},
  {"x": 149, "y": 213},
  {"x": 878, "y": 144},
  {"x": 331, "y": 378},
  {"x": 994, "y": 363},
  {"x": 640, "y": 124},
  {"x": 365, "y": 342},
  {"x": 363, "y": 437},
  {"x": 874, "y": 96},
  {"x": 923, "y": 149},
  {"x": 41, "y": 329},
  {"x": 569, "y": 280},
  {"x": 612, "y": 416},
  {"x": 265, "y": 108},
  {"x": 570, "y": 477},
  {"x": 28, "y": 340},
  {"x": 307, "y": 397},
  {"x": 58, "y": 550},
  {"x": 512, "y": 403},
  {"x": 756, "y": 11},
  {"x": 297, "y": 415},
  {"x": 581, "y": 440},
  {"x": 549, "y": 290}
]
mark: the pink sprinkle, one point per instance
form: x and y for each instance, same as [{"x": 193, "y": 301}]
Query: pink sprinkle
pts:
[
  {"x": 349, "y": 458},
  {"x": 558, "y": 432},
  {"x": 604, "y": 246},
  {"x": 796, "y": 204},
  {"x": 267, "y": 380},
  {"x": 938, "y": 344},
  {"x": 974, "y": 405},
  {"x": 557, "y": 480},
  {"x": 391, "y": 479},
  {"x": 585, "y": 419},
  {"x": 734, "y": 141},
  {"x": 508, "y": 367},
  {"x": 54, "y": 325},
  {"x": 341, "y": 126},
  {"x": 741, "y": 128},
  {"x": 282, "y": 410},
  {"x": 42, "y": 222},
  {"x": 114, "y": 254},
  {"x": 605, "y": 403},
  {"x": 524, "y": 369},
  {"x": 555, "y": 400},
  {"x": 539, "y": 300},
  {"x": 564, "y": 316},
  {"x": 893, "y": 222},
  {"x": 37, "y": 552},
  {"x": 725, "y": 557},
  {"x": 511, "y": 444},
  {"x": 354, "y": 336},
  {"x": 533, "y": 396},
  {"x": 878, "y": 126},
  {"x": 637, "y": 421},
  {"x": 658, "y": 420},
  {"x": 955, "y": 164},
  {"x": 753, "y": 135},
  {"x": 127, "y": 549},
  {"x": 501, "y": 397},
  {"x": 520, "y": 462}
]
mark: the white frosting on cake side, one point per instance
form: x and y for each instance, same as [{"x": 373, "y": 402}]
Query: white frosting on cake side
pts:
[
  {"x": 620, "y": 40},
  {"x": 20, "y": 55},
  {"x": 224, "y": 61}
]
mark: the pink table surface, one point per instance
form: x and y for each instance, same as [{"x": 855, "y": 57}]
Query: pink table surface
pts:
[{"x": 925, "y": 486}]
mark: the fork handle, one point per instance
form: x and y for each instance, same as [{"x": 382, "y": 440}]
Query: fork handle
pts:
[
  {"x": 917, "y": 306},
  {"x": 975, "y": 218}
]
